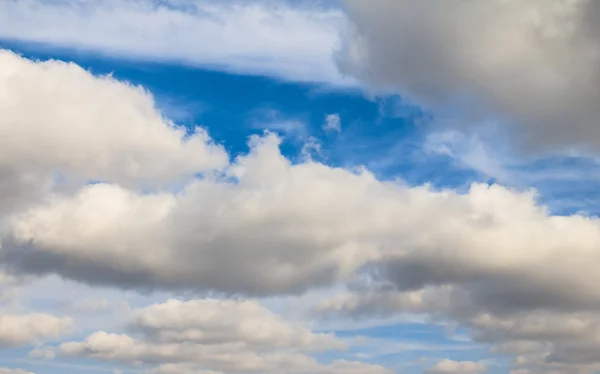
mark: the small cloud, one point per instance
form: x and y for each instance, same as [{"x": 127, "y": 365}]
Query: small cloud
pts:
[
  {"x": 332, "y": 123},
  {"x": 272, "y": 120},
  {"x": 310, "y": 147},
  {"x": 46, "y": 353}
]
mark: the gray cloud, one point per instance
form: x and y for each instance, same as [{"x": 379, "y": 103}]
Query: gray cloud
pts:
[
  {"x": 491, "y": 259},
  {"x": 533, "y": 63}
]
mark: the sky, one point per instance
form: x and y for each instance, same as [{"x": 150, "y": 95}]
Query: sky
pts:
[{"x": 299, "y": 187}]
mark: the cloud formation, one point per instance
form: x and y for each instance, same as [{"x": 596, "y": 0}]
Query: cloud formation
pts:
[
  {"x": 533, "y": 63},
  {"x": 261, "y": 37},
  {"x": 332, "y": 123},
  {"x": 229, "y": 336},
  {"x": 102, "y": 189},
  {"x": 26, "y": 329}
]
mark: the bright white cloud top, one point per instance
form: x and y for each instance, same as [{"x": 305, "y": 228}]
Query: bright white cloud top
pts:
[
  {"x": 227, "y": 336},
  {"x": 98, "y": 187},
  {"x": 481, "y": 259}
]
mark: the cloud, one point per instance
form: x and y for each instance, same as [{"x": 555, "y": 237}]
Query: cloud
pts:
[
  {"x": 91, "y": 127},
  {"x": 46, "y": 353},
  {"x": 13, "y": 371},
  {"x": 332, "y": 123},
  {"x": 86, "y": 128},
  {"x": 279, "y": 40},
  {"x": 456, "y": 367},
  {"x": 220, "y": 321},
  {"x": 221, "y": 335},
  {"x": 21, "y": 330},
  {"x": 490, "y": 259},
  {"x": 532, "y": 63}
]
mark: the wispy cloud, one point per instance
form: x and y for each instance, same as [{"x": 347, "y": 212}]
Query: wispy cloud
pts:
[{"x": 294, "y": 43}]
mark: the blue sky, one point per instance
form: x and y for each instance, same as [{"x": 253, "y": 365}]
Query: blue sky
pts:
[{"x": 428, "y": 210}]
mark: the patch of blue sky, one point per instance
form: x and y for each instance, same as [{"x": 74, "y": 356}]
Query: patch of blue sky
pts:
[{"x": 409, "y": 347}]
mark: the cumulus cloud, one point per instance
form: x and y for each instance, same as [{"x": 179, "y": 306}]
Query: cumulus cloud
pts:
[
  {"x": 61, "y": 118},
  {"x": 260, "y": 225},
  {"x": 456, "y": 367},
  {"x": 534, "y": 63},
  {"x": 21, "y": 330},
  {"x": 219, "y": 321},
  {"x": 261, "y": 37},
  {"x": 222, "y": 335}
]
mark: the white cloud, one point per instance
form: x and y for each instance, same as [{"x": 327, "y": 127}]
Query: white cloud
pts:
[
  {"x": 13, "y": 371},
  {"x": 90, "y": 127},
  {"x": 46, "y": 353},
  {"x": 456, "y": 367},
  {"x": 533, "y": 63},
  {"x": 264, "y": 226},
  {"x": 21, "y": 330},
  {"x": 288, "y": 42},
  {"x": 332, "y": 123},
  {"x": 221, "y": 335},
  {"x": 210, "y": 321}
]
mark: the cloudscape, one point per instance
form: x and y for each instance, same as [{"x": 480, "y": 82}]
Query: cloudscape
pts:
[{"x": 299, "y": 187}]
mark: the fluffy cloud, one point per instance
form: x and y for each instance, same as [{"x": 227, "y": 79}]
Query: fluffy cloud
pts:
[
  {"x": 223, "y": 335},
  {"x": 261, "y": 225},
  {"x": 20, "y": 330},
  {"x": 266, "y": 221},
  {"x": 535, "y": 63},
  {"x": 59, "y": 118},
  {"x": 63, "y": 126},
  {"x": 456, "y": 367},
  {"x": 220, "y": 321},
  {"x": 259, "y": 37}
]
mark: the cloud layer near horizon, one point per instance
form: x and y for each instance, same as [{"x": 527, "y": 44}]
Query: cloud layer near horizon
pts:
[{"x": 226, "y": 336}]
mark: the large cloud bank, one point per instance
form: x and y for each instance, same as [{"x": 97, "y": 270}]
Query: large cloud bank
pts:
[{"x": 169, "y": 210}]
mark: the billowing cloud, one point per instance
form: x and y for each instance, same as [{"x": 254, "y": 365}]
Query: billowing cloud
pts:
[
  {"x": 61, "y": 118},
  {"x": 220, "y": 321},
  {"x": 259, "y": 37},
  {"x": 62, "y": 126},
  {"x": 21, "y": 330},
  {"x": 260, "y": 225},
  {"x": 222, "y": 335},
  {"x": 533, "y": 63}
]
